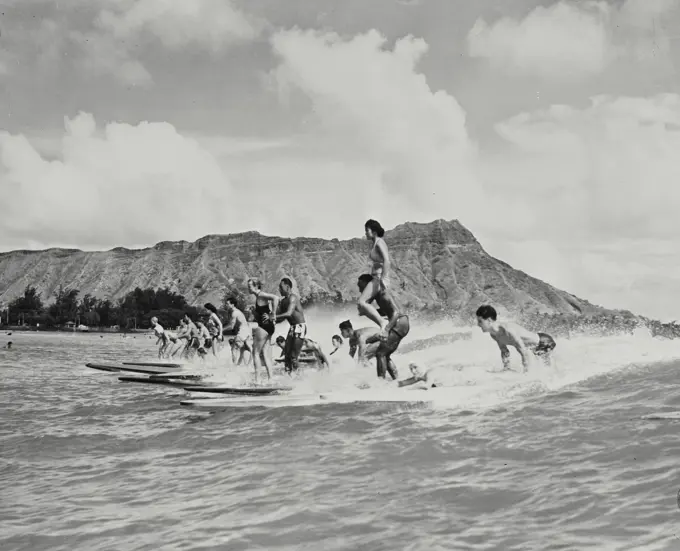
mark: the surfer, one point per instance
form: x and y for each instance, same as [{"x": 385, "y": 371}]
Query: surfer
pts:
[
  {"x": 357, "y": 341},
  {"x": 392, "y": 333},
  {"x": 193, "y": 340},
  {"x": 309, "y": 346},
  {"x": 337, "y": 343},
  {"x": 162, "y": 338},
  {"x": 204, "y": 339},
  {"x": 214, "y": 325},
  {"x": 290, "y": 310},
  {"x": 243, "y": 339},
  {"x": 263, "y": 313},
  {"x": 380, "y": 269},
  {"x": 417, "y": 376},
  {"x": 507, "y": 333}
]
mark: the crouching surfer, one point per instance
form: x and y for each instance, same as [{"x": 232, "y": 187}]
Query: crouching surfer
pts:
[
  {"x": 392, "y": 333},
  {"x": 162, "y": 336},
  {"x": 507, "y": 333},
  {"x": 310, "y": 346},
  {"x": 359, "y": 349}
]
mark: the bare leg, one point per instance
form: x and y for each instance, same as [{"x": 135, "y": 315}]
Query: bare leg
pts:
[{"x": 367, "y": 309}]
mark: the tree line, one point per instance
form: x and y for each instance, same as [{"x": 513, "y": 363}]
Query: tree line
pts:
[{"x": 133, "y": 310}]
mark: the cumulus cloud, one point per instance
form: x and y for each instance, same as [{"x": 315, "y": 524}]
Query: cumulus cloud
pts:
[
  {"x": 568, "y": 41},
  {"x": 124, "y": 185},
  {"x": 210, "y": 24},
  {"x": 122, "y": 27},
  {"x": 372, "y": 106}
]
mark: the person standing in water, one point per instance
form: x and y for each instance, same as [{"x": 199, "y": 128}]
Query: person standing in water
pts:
[
  {"x": 507, "y": 333},
  {"x": 395, "y": 329},
  {"x": 290, "y": 310},
  {"x": 380, "y": 272},
  {"x": 266, "y": 304},
  {"x": 243, "y": 341},
  {"x": 162, "y": 338},
  {"x": 214, "y": 325}
]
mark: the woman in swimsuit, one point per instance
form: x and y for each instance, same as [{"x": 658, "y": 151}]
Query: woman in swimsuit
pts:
[
  {"x": 380, "y": 268},
  {"x": 214, "y": 325},
  {"x": 266, "y": 305}
]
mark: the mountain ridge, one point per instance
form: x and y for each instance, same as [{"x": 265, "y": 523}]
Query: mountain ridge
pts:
[{"x": 439, "y": 264}]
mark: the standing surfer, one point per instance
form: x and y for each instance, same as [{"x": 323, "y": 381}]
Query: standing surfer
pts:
[
  {"x": 266, "y": 304},
  {"x": 243, "y": 340},
  {"x": 507, "y": 333},
  {"x": 394, "y": 329},
  {"x": 290, "y": 310},
  {"x": 380, "y": 272},
  {"x": 214, "y": 325}
]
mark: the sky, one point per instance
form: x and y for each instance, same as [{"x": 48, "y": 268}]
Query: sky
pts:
[{"x": 550, "y": 129}]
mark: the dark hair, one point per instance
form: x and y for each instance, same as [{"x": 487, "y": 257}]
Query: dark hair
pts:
[
  {"x": 345, "y": 325},
  {"x": 279, "y": 339},
  {"x": 256, "y": 282},
  {"x": 375, "y": 227},
  {"x": 211, "y": 307},
  {"x": 287, "y": 281},
  {"x": 337, "y": 338},
  {"x": 487, "y": 312},
  {"x": 233, "y": 301},
  {"x": 366, "y": 278}
]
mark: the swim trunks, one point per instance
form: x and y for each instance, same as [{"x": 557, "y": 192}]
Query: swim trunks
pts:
[
  {"x": 298, "y": 331},
  {"x": 395, "y": 335},
  {"x": 545, "y": 345}
]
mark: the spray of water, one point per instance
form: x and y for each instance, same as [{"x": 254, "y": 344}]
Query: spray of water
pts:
[{"x": 467, "y": 366}]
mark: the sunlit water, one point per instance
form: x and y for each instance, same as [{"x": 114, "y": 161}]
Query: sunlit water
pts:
[{"x": 556, "y": 459}]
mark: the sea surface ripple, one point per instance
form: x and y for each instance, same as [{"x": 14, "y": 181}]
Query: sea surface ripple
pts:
[{"x": 90, "y": 463}]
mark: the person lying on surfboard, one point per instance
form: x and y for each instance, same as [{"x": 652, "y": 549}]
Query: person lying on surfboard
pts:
[
  {"x": 392, "y": 333},
  {"x": 309, "y": 346},
  {"x": 507, "y": 333},
  {"x": 357, "y": 341}
]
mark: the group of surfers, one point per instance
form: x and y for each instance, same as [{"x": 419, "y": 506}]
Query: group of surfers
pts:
[{"x": 377, "y": 342}]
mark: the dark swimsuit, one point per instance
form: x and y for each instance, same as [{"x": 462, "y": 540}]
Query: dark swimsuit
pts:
[{"x": 260, "y": 310}]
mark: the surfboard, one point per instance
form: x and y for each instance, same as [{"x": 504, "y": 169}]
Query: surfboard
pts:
[
  {"x": 302, "y": 360},
  {"x": 104, "y": 367},
  {"x": 662, "y": 415},
  {"x": 178, "y": 375},
  {"x": 218, "y": 404},
  {"x": 244, "y": 390},
  {"x": 154, "y": 381},
  {"x": 153, "y": 364}
]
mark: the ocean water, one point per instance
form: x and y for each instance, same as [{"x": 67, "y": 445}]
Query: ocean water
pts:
[{"x": 556, "y": 459}]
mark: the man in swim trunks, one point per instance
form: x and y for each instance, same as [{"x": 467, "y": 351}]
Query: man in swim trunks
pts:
[
  {"x": 511, "y": 334},
  {"x": 243, "y": 340},
  {"x": 162, "y": 337},
  {"x": 290, "y": 309},
  {"x": 397, "y": 327},
  {"x": 310, "y": 346},
  {"x": 357, "y": 341}
]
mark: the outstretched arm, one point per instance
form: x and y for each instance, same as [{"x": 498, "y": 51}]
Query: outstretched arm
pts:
[
  {"x": 231, "y": 322},
  {"x": 505, "y": 355},
  {"x": 518, "y": 343}
]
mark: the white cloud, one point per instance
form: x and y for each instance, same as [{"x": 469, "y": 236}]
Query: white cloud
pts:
[
  {"x": 210, "y": 24},
  {"x": 372, "y": 106},
  {"x": 123, "y": 186},
  {"x": 103, "y": 55},
  {"x": 568, "y": 41}
]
